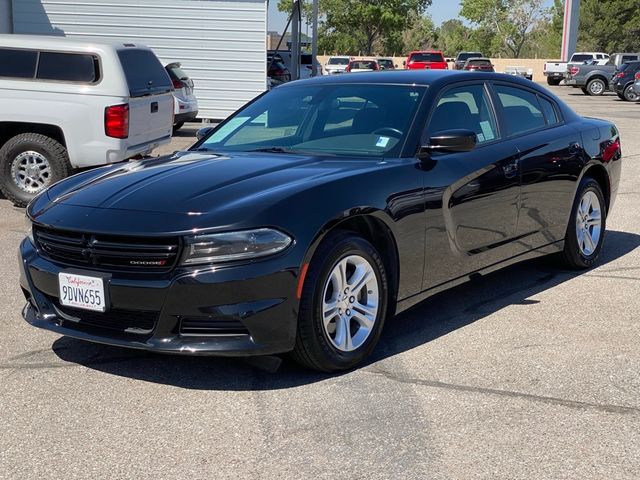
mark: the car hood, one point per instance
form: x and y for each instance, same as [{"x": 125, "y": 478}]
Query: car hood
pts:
[{"x": 199, "y": 182}]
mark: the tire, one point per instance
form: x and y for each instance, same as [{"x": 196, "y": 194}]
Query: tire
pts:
[
  {"x": 315, "y": 347},
  {"x": 629, "y": 94},
  {"x": 584, "y": 90},
  {"x": 177, "y": 126},
  {"x": 596, "y": 87},
  {"x": 553, "y": 81},
  {"x": 620, "y": 96},
  {"x": 574, "y": 255},
  {"x": 36, "y": 149}
]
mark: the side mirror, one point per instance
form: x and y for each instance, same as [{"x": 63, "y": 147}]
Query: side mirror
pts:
[
  {"x": 450, "y": 141},
  {"x": 203, "y": 132}
]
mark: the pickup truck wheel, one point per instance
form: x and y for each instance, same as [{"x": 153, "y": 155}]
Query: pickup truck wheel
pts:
[
  {"x": 29, "y": 163},
  {"x": 177, "y": 126},
  {"x": 553, "y": 81},
  {"x": 630, "y": 94},
  {"x": 596, "y": 87}
]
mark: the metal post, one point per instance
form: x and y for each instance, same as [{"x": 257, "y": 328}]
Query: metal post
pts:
[
  {"x": 570, "y": 30},
  {"x": 314, "y": 41},
  {"x": 295, "y": 41}
]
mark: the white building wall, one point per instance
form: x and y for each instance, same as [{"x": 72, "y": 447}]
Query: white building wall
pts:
[
  {"x": 5, "y": 16},
  {"x": 220, "y": 43}
]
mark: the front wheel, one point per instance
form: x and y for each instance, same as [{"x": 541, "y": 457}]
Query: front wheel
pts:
[
  {"x": 343, "y": 305},
  {"x": 29, "y": 163},
  {"x": 587, "y": 224}
]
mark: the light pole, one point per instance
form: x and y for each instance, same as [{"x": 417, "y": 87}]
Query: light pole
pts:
[
  {"x": 570, "y": 29},
  {"x": 314, "y": 41}
]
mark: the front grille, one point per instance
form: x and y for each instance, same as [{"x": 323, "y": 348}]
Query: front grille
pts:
[
  {"x": 212, "y": 326},
  {"x": 124, "y": 321},
  {"x": 109, "y": 252}
]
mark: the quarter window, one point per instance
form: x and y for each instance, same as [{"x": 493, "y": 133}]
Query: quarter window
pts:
[
  {"x": 68, "y": 67},
  {"x": 549, "y": 111},
  {"x": 521, "y": 110},
  {"x": 466, "y": 108},
  {"x": 18, "y": 63}
]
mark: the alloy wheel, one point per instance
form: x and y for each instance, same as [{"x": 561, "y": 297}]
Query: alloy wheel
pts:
[
  {"x": 596, "y": 87},
  {"x": 589, "y": 223},
  {"x": 350, "y": 303},
  {"x": 31, "y": 171}
]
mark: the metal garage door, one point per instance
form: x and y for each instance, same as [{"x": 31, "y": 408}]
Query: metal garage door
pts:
[{"x": 220, "y": 43}]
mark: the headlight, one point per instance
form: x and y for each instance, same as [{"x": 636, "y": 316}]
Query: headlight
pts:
[
  {"x": 28, "y": 228},
  {"x": 229, "y": 246}
]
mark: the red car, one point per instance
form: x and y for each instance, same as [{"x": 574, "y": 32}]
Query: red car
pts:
[{"x": 429, "y": 59}]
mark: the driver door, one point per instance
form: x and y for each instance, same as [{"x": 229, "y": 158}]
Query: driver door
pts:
[{"x": 474, "y": 223}]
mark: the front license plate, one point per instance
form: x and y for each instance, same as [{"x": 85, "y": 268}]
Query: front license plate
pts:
[{"x": 81, "y": 291}]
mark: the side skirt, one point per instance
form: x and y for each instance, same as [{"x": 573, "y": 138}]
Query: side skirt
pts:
[{"x": 539, "y": 252}]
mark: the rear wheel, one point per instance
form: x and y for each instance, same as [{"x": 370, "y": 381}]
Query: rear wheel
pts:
[
  {"x": 596, "y": 87},
  {"x": 177, "y": 126},
  {"x": 630, "y": 94},
  {"x": 585, "y": 233},
  {"x": 29, "y": 163},
  {"x": 343, "y": 305},
  {"x": 553, "y": 81},
  {"x": 584, "y": 90}
]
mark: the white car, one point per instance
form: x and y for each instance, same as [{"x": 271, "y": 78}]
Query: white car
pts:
[
  {"x": 556, "y": 70},
  {"x": 186, "y": 103},
  {"x": 362, "y": 65},
  {"x": 336, "y": 64},
  {"x": 520, "y": 72},
  {"x": 69, "y": 104}
]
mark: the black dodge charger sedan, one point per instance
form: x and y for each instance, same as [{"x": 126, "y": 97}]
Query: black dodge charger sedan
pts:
[{"x": 318, "y": 211}]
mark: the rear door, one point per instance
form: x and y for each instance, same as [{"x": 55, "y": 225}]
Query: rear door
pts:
[
  {"x": 550, "y": 162},
  {"x": 151, "y": 103}
]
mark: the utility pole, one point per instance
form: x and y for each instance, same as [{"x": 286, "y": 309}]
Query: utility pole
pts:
[
  {"x": 570, "y": 30},
  {"x": 295, "y": 40},
  {"x": 314, "y": 41}
]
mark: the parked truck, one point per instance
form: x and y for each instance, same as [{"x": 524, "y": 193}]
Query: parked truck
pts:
[
  {"x": 595, "y": 80},
  {"x": 556, "y": 70}
]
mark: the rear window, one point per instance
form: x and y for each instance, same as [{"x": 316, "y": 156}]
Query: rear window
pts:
[
  {"x": 338, "y": 61},
  {"x": 479, "y": 62},
  {"x": 426, "y": 57},
  {"x": 468, "y": 55},
  {"x": 144, "y": 72},
  {"x": 305, "y": 59},
  {"x": 68, "y": 67},
  {"x": 363, "y": 65},
  {"x": 176, "y": 73},
  {"x": 581, "y": 58},
  {"x": 18, "y": 63},
  {"x": 629, "y": 58}
]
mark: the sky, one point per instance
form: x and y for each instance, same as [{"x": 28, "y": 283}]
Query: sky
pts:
[{"x": 440, "y": 11}]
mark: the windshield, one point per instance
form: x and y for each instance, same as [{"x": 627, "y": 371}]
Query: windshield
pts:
[
  {"x": 468, "y": 55},
  {"x": 426, "y": 57},
  {"x": 338, "y": 61},
  {"x": 330, "y": 119}
]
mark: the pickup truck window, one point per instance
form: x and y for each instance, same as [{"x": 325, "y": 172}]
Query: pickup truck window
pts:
[
  {"x": 144, "y": 72},
  {"x": 68, "y": 67},
  {"x": 16, "y": 63},
  {"x": 581, "y": 58}
]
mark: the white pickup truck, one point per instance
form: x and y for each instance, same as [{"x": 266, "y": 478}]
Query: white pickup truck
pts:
[
  {"x": 69, "y": 104},
  {"x": 556, "y": 71}
]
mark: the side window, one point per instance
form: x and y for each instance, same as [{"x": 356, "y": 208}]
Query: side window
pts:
[
  {"x": 18, "y": 63},
  {"x": 521, "y": 110},
  {"x": 467, "y": 108},
  {"x": 69, "y": 67},
  {"x": 549, "y": 110}
]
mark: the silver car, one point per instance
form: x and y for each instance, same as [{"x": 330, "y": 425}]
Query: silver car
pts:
[{"x": 185, "y": 102}]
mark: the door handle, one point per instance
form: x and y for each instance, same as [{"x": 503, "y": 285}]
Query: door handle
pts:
[{"x": 154, "y": 107}]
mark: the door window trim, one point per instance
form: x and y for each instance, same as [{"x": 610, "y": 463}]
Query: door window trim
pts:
[
  {"x": 538, "y": 95},
  {"x": 424, "y": 136}
]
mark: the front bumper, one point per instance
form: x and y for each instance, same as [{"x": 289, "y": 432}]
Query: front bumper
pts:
[{"x": 256, "y": 304}]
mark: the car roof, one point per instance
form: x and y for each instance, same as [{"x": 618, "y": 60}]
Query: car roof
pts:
[
  {"x": 55, "y": 42},
  {"x": 413, "y": 78},
  {"x": 425, "y": 51}
]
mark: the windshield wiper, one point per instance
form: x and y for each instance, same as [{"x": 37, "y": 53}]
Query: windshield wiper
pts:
[{"x": 275, "y": 150}]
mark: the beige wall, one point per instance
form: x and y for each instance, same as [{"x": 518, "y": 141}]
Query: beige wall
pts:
[{"x": 500, "y": 64}]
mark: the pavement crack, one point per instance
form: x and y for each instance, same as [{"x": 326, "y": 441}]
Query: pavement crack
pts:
[{"x": 619, "y": 409}]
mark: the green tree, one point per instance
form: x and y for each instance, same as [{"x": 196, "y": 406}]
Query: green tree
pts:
[
  {"x": 361, "y": 26},
  {"x": 511, "y": 20},
  {"x": 610, "y": 26},
  {"x": 420, "y": 34},
  {"x": 454, "y": 36}
]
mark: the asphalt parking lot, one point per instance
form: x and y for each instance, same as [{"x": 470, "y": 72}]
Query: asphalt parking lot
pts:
[{"x": 529, "y": 373}]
